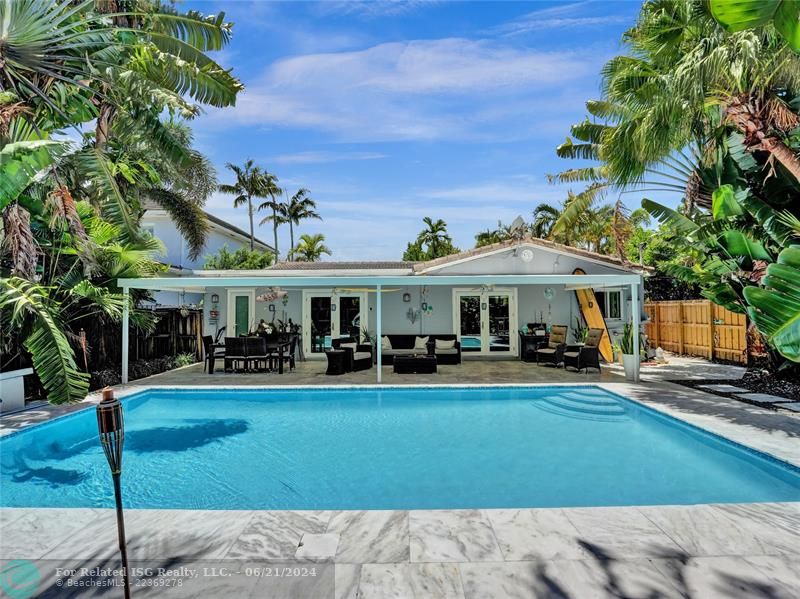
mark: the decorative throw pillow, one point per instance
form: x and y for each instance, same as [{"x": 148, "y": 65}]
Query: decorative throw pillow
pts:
[
  {"x": 386, "y": 343},
  {"x": 421, "y": 343},
  {"x": 445, "y": 343}
]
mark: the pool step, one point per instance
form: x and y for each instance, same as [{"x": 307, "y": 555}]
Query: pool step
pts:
[{"x": 576, "y": 406}]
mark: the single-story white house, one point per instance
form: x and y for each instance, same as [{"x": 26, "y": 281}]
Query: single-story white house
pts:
[{"x": 484, "y": 296}]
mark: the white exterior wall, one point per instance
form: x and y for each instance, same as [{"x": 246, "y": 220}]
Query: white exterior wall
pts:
[{"x": 532, "y": 305}]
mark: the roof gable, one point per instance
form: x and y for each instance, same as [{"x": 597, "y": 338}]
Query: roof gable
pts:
[{"x": 513, "y": 248}]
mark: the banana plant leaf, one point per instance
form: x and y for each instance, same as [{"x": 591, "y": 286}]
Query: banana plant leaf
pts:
[
  {"x": 739, "y": 245},
  {"x": 787, "y": 24},
  {"x": 775, "y": 307},
  {"x": 21, "y": 163},
  {"x": 724, "y": 202},
  {"x": 738, "y": 15}
]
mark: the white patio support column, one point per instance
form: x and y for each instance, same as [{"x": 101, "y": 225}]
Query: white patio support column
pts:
[
  {"x": 125, "y": 326},
  {"x": 378, "y": 304},
  {"x": 636, "y": 317}
]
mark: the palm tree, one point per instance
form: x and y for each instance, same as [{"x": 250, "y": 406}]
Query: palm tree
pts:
[
  {"x": 435, "y": 236},
  {"x": 272, "y": 191},
  {"x": 544, "y": 217},
  {"x": 250, "y": 183},
  {"x": 310, "y": 248},
  {"x": 300, "y": 207},
  {"x": 680, "y": 62}
]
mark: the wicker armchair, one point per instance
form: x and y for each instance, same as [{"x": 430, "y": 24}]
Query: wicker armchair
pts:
[
  {"x": 586, "y": 356},
  {"x": 552, "y": 352},
  {"x": 358, "y": 357}
]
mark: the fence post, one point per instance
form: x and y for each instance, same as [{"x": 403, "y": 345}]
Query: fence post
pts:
[
  {"x": 657, "y": 323},
  {"x": 710, "y": 310},
  {"x": 680, "y": 328}
]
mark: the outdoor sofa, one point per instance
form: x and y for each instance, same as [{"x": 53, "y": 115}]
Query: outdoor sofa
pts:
[{"x": 404, "y": 344}]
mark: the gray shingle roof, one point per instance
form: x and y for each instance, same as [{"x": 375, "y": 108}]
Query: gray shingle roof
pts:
[{"x": 364, "y": 265}]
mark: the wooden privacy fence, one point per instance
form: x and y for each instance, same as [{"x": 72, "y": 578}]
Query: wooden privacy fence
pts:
[{"x": 697, "y": 328}]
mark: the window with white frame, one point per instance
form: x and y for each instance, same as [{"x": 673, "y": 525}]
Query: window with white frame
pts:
[{"x": 610, "y": 303}]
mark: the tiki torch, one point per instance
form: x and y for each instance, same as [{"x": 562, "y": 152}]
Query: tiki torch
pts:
[{"x": 112, "y": 435}]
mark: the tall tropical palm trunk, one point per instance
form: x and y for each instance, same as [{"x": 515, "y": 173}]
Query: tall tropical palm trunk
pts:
[
  {"x": 755, "y": 119},
  {"x": 252, "y": 230},
  {"x": 291, "y": 240},
  {"x": 275, "y": 227}
]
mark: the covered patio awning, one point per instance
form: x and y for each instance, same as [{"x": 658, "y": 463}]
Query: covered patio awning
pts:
[{"x": 247, "y": 279}]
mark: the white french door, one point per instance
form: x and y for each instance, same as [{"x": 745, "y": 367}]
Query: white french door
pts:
[
  {"x": 329, "y": 315},
  {"x": 485, "y": 321}
]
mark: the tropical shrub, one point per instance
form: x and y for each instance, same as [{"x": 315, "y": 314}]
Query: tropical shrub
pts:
[{"x": 240, "y": 259}]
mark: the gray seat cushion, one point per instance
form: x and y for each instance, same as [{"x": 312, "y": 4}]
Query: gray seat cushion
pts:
[
  {"x": 571, "y": 354},
  {"x": 547, "y": 350},
  {"x": 396, "y": 352},
  {"x": 452, "y": 350},
  {"x": 362, "y": 355}
]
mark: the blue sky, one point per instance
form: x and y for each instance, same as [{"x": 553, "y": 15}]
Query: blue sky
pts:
[{"x": 392, "y": 111}]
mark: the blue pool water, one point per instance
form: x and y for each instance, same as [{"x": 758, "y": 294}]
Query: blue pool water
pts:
[{"x": 390, "y": 448}]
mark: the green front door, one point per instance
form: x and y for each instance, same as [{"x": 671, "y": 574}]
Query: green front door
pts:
[{"x": 242, "y": 315}]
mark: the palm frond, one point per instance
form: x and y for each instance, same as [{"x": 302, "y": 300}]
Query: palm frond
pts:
[{"x": 52, "y": 357}]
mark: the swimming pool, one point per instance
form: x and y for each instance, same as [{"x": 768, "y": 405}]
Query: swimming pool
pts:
[{"x": 390, "y": 448}]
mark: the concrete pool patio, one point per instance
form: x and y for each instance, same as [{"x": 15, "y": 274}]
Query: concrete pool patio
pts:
[{"x": 698, "y": 551}]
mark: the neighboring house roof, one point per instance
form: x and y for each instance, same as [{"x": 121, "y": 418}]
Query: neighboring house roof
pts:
[
  {"x": 226, "y": 225},
  {"x": 436, "y": 263},
  {"x": 223, "y": 224}
]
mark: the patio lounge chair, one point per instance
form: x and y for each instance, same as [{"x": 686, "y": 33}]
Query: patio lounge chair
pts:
[
  {"x": 553, "y": 351},
  {"x": 586, "y": 356},
  {"x": 235, "y": 353},
  {"x": 211, "y": 354}
]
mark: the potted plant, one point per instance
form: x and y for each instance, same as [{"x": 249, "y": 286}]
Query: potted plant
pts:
[
  {"x": 626, "y": 347},
  {"x": 580, "y": 331}
]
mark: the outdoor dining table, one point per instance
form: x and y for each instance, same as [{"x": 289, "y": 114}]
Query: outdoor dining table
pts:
[{"x": 272, "y": 346}]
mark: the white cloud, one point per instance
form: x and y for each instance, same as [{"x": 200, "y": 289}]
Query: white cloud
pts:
[
  {"x": 322, "y": 156},
  {"x": 372, "y": 8},
  {"x": 449, "y": 88},
  {"x": 558, "y": 17}
]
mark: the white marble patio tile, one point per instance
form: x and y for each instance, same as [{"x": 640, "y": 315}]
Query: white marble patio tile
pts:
[
  {"x": 452, "y": 536},
  {"x": 410, "y": 581},
  {"x": 317, "y": 546},
  {"x": 701, "y": 530},
  {"x": 33, "y": 532},
  {"x": 620, "y": 532},
  {"x": 379, "y": 536},
  {"x": 510, "y": 580},
  {"x": 775, "y": 525},
  {"x": 528, "y": 534},
  {"x": 580, "y": 579},
  {"x": 347, "y": 577},
  {"x": 723, "y": 388},
  {"x": 186, "y": 534},
  {"x": 785, "y": 570},
  {"x": 276, "y": 534},
  {"x": 793, "y": 406},
  {"x": 721, "y": 578}
]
